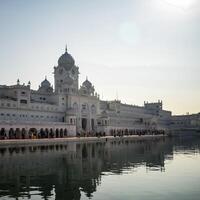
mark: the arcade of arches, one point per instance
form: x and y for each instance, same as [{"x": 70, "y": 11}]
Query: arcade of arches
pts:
[{"x": 33, "y": 133}]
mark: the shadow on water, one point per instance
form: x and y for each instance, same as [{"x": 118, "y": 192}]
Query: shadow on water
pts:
[{"x": 63, "y": 171}]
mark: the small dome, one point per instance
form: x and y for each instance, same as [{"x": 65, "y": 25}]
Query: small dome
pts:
[
  {"x": 66, "y": 61},
  {"x": 45, "y": 87},
  {"x": 87, "y": 83},
  {"x": 45, "y": 83}
]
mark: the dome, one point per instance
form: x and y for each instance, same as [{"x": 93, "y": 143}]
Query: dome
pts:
[
  {"x": 45, "y": 83},
  {"x": 66, "y": 61},
  {"x": 87, "y": 83},
  {"x": 45, "y": 87}
]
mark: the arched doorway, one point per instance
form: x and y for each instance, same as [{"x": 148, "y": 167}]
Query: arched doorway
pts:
[
  {"x": 92, "y": 124},
  {"x": 42, "y": 133},
  {"x": 2, "y": 133},
  {"x": 84, "y": 124},
  {"x": 65, "y": 132},
  {"x": 23, "y": 133},
  {"x": 46, "y": 133},
  {"x": 57, "y": 133},
  {"x": 51, "y": 134},
  {"x": 32, "y": 133},
  {"x": 61, "y": 133},
  {"x": 17, "y": 133}
]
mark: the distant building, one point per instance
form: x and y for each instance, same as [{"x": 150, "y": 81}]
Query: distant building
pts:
[
  {"x": 185, "y": 122},
  {"x": 68, "y": 109}
]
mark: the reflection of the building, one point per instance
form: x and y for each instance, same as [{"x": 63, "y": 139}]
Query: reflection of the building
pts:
[{"x": 71, "y": 168}]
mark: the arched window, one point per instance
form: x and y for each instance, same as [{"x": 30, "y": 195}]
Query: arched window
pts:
[{"x": 93, "y": 109}]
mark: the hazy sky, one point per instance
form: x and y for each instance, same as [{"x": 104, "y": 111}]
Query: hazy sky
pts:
[{"x": 142, "y": 50}]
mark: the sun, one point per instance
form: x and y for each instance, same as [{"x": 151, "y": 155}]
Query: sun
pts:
[{"x": 184, "y": 4}]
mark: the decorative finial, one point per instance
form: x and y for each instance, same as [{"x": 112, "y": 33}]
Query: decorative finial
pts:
[
  {"x": 18, "y": 82},
  {"x": 45, "y": 77},
  {"x": 66, "y": 48},
  {"x": 87, "y": 78},
  {"x": 29, "y": 83}
]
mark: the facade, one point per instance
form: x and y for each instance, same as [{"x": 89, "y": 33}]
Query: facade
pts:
[
  {"x": 68, "y": 109},
  {"x": 186, "y": 122}
]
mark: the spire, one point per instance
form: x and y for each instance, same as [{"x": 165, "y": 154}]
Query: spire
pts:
[
  {"x": 45, "y": 77},
  {"x": 87, "y": 78},
  {"x": 66, "y": 48},
  {"x": 18, "y": 82}
]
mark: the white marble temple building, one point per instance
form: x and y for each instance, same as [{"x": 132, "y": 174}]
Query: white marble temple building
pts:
[{"x": 67, "y": 108}]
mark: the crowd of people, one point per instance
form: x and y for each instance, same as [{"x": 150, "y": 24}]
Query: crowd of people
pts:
[
  {"x": 122, "y": 132},
  {"x": 63, "y": 133}
]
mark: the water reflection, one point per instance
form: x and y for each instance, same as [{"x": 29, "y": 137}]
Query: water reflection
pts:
[{"x": 64, "y": 171}]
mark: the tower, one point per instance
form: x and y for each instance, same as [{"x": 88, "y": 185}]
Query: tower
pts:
[{"x": 66, "y": 75}]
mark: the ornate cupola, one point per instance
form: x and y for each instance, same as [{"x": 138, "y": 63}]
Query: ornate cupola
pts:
[
  {"x": 66, "y": 75},
  {"x": 45, "y": 87},
  {"x": 87, "y": 88}
]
